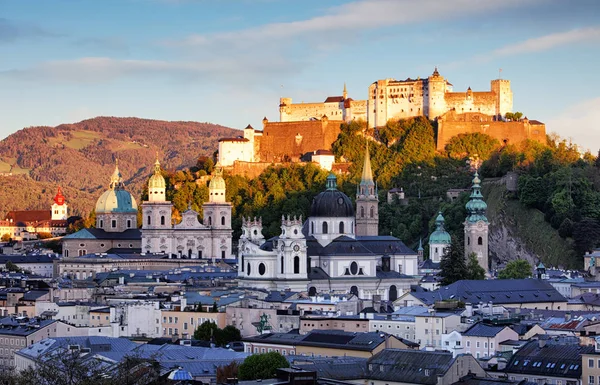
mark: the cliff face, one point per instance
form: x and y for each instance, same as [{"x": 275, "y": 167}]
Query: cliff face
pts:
[{"x": 520, "y": 232}]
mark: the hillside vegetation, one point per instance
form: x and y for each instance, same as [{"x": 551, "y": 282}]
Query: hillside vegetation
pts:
[{"x": 80, "y": 157}]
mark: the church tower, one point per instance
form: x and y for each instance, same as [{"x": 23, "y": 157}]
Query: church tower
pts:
[
  {"x": 217, "y": 215},
  {"x": 59, "y": 207},
  {"x": 156, "y": 215},
  {"x": 476, "y": 225},
  {"x": 439, "y": 240},
  {"x": 367, "y": 216}
]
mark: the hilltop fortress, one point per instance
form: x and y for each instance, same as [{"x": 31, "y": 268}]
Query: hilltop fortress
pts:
[{"x": 306, "y": 128}]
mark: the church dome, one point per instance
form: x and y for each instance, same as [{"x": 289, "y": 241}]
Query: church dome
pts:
[
  {"x": 217, "y": 183},
  {"x": 116, "y": 199},
  {"x": 332, "y": 202},
  {"x": 440, "y": 235},
  {"x": 157, "y": 181}
]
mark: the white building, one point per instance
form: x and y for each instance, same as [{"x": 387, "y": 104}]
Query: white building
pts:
[{"x": 189, "y": 238}]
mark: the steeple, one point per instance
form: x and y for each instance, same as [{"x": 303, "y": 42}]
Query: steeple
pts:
[
  {"x": 345, "y": 93},
  {"x": 156, "y": 184},
  {"x": 116, "y": 180},
  {"x": 367, "y": 186},
  {"x": 476, "y": 207},
  {"x": 59, "y": 198},
  {"x": 59, "y": 207},
  {"x": 367, "y": 201}
]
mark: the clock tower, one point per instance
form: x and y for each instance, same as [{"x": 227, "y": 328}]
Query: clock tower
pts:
[{"x": 476, "y": 225}]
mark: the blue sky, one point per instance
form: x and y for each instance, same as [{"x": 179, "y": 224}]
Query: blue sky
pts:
[{"x": 229, "y": 61}]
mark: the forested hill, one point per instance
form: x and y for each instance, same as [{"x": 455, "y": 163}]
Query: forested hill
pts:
[{"x": 80, "y": 157}]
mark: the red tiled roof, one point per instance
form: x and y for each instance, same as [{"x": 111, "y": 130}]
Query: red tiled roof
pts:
[
  {"x": 29, "y": 216},
  {"x": 334, "y": 99}
]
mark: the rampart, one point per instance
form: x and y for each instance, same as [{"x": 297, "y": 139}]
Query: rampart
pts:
[{"x": 451, "y": 124}]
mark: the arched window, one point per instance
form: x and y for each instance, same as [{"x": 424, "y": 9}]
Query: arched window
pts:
[
  {"x": 341, "y": 227},
  {"x": 372, "y": 212},
  {"x": 312, "y": 291},
  {"x": 354, "y": 290},
  {"x": 210, "y": 221},
  {"x": 149, "y": 221},
  {"x": 312, "y": 227},
  {"x": 354, "y": 268},
  {"x": 129, "y": 223},
  {"x": 362, "y": 212},
  {"x": 468, "y": 240},
  {"x": 480, "y": 241},
  {"x": 101, "y": 223},
  {"x": 393, "y": 295},
  {"x": 222, "y": 221},
  {"x": 248, "y": 269},
  {"x": 113, "y": 223},
  {"x": 242, "y": 263},
  {"x": 162, "y": 219},
  {"x": 324, "y": 227},
  {"x": 262, "y": 269},
  {"x": 189, "y": 253},
  {"x": 296, "y": 265},
  {"x": 282, "y": 267},
  {"x": 307, "y": 265}
]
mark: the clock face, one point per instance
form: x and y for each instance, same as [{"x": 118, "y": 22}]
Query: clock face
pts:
[{"x": 296, "y": 247}]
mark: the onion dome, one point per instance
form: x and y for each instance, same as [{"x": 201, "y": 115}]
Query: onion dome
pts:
[
  {"x": 440, "y": 235},
  {"x": 476, "y": 207},
  {"x": 116, "y": 199},
  {"x": 217, "y": 182},
  {"x": 331, "y": 202},
  {"x": 157, "y": 181},
  {"x": 59, "y": 198}
]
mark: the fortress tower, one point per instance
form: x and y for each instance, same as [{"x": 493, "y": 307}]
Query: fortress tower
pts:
[
  {"x": 367, "y": 212},
  {"x": 504, "y": 96},
  {"x": 437, "y": 90}
]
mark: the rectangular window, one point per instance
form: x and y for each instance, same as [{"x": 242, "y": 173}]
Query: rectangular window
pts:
[
  {"x": 591, "y": 362},
  {"x": 477, "y": 344},
  {"x": 591, "y": 379}
]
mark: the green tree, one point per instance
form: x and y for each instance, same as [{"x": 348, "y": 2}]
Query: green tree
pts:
[
  {"x": 261, "y": 366},
  {"x": 215, "y": 308},
  {"x": 10, "y": 266},
  {"x": 229, "y": 334},
  {"x": 474, "y": 270},
  {"x": 517, "y": 269},
  {"x": 452, "y": 265},
  {"x": 464, "y": 145},
  {"x": 206, "y": 331}
]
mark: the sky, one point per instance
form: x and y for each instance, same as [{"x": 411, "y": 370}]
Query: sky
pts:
[{"x": 229, "y": 61}]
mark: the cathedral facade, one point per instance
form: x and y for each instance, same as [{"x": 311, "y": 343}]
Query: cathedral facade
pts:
[
  {"x": 188, "y": 238},
  {"x": 326, "y": 253}
]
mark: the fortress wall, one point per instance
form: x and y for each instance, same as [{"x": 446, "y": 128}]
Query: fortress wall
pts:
[
  {"x": 512, "y": 132},
  {"x": 283, "y": 140},
  {"x": 250, "y": 169},
  {"x": 306, "y": 111},
  {"x": 358, "y": 110}
]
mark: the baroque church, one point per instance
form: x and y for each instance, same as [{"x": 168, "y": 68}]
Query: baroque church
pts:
[
  {"x": 189, "y": 238},
  {"x": 117, "y": 229},
  {"x": 336, "y": 250}
]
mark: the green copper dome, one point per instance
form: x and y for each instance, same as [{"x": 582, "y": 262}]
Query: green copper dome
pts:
[
  {"x": 476, "y": 207},
  {"x": 217, "y": 182},
  {"x": 440, "y": 235},
  {"x": 116, "y": 199}
]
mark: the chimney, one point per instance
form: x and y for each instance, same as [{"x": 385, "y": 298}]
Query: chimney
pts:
[
  {"x": 541, "y": 343},
  {"x": 568, "y": 316}
]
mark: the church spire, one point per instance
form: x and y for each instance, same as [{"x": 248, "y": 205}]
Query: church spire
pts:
[
  {"x": 476, "y": 206},
  {"x": 345, "y": 93},
  {"x": 367, "y": 186},
  {"x": 116, "y": 180}
]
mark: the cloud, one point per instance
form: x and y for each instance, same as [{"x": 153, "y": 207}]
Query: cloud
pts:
[
  {"x": 104, "y": 69},
  {"x": 578, "y": 122},
  {"x": 351, "y": 18},
  {"x": 547, "y": 42},
  {"x": 11, "y": 31},
  {"x": 104, "y": 43}
]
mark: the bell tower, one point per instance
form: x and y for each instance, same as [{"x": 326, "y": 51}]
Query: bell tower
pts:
[
  {"x": 292, "y": 261},
  {"x": 367, "y": 215},
  {"x": 217, "y": 216},
  {"x": 59, "y": 207},
  {"x": 476, "y": 225},
  {"x": 156, "y": 215}
]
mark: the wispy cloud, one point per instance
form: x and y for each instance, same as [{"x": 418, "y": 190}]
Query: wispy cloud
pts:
[
  {"x": 11, "y": 31},
  {"x": 104, "y": 69},
  {"x": 104, "y": 43},
  {"x": 348, "y": 18},
  {"x": 547, "y": 42}
]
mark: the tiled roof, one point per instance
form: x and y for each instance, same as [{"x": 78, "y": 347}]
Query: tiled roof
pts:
[
  {"x": 483, "y": 330},
  {"x": 412, "y": 366},
  {"x": 553, "y": 359},
  {"x": 21, "y": 259},
  {"x": 25, "y": 327},
  {"x": 334, "y": 99},
  {"x": 334, "y": 368},
  {"x": 91, "y": 233},
  {"x": 499, "y": 291}
]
